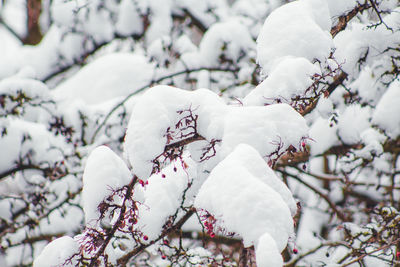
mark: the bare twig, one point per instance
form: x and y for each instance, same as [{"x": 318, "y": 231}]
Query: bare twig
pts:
[
  {"x": 332, "y": 205},
  {"x": 111, "y": 233},
  {"x": 124, "y": 259}
]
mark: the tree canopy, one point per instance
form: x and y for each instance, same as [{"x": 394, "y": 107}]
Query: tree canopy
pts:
[{"x": 199, "y": 133}]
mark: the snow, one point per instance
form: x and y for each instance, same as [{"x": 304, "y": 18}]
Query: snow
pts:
[
  {"x": 129, "y": 21},
  {"x": 298, "y": 29},
  {"x": 340, "y": 7},
  {"x": 44, "y": 56},
  {"x": 62, "y": 12},
  {"x": 157, "y": 110},
  {"x": 14, "y": 15},
  {"x": 157, "y": 49},
  {"x": 57, "y": 252},
  {"x": 62, "y": 222},
  {"x": 324, "y": 136},
  {"x": 357, "y": 42},
  {"x": 386, "y": 114},
  {"x": 162, "y": 197},
  {"x": 373, "y": 140},
  {"x": 264, "y": 128},
  {"x": 185, "y": 45},
  {"x": 312, "y": 219},
  {"x": 161, "y": 21},
  {"x": 237, "y": 184},
  {"x": 256, "y": 9},
  {"x": 33, "y": 91},
  {"x": 244, "y": 203},
  {"x": 351, "y": 44},
  {"x": 98, "y": 22},
  {"x": 290, "y": 78},
  {"x": 319, "y": 11},
  {"x": 325, "y": 107},
  {"x": 257, "y": 167},
  {"x": 199, "y": 9},
  {"x": 14, "y": 84},
  {"x": 88, "y": 16},
  {"x": 9, "y": 47},
  {"x": 110, "y": 76},
  {"x": 104, "y": 172},
  {"x": 231, "y": 37},
  {"x": 367, "y": 86},
  {"x": 25, "y": 140},
  {"x": 267, "y": 254},
  {"x": 353, "y": 121}
]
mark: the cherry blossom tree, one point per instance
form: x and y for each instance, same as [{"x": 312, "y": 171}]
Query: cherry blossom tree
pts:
[{"x": 113, "y": 153}]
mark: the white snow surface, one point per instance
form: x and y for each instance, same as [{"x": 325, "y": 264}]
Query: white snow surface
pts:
[
  {"x": 290, "y": 77},
  {"x": 156, "y": 111},
  {"x": 62, "y": 12},
  {"x": 352, "y": 122},
  {"x": 230, "y": 36},
  {"x": 340, "y": 7},
  {"x": 356, "y": 41},
  {"x": 104, "y": 171},
  {"x": 161, "y": 21},
  {"x": 9, "y": 47},
  {"x": 387, "y": 112},
  {"x": 129, "y": 21},
  {"x": 110, "y": 76},
  {"x": 367, "y": 87},
  {"x": 57, "y": 252},
  {"x": 24, "y": 138},
  {"x": 163, "y": 197},
  {"x": 14, "y": 84},
  {"x": 263, "y": 128},
  {"x": 373, "y": 141},
  {"x": 267, "y": 254},
  {"x": 324, "y": 136},
  {"x": 34, "y": 90},
  {"x": 299, "y": 29},
  {"x": 244, "y": 203},
  {"x": 257, "y": 167}
]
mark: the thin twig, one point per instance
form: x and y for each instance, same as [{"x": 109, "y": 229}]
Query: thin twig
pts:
[
  {"x": 332, "y": 205},
  {"x": 124, "y": 259},
  {"x": 117, "y": 224}
]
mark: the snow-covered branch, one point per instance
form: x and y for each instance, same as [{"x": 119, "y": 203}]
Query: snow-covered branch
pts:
[{"x": 199, "y": 133}]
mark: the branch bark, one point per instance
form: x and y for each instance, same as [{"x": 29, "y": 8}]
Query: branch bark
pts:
[
  {"x": 344, "y": 19},
  {"x": 33, "y": 9},
  {"x": 332, "y": 205},
  {"x": 117, "y": 224}
]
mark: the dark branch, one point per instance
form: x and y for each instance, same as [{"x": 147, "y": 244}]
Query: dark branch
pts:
[
  {"x": 124, "y": 259},
  {"x": 19, "y": 168},
  {"x": 344, "y": 19},
  {"x": 117, "y": 224}
]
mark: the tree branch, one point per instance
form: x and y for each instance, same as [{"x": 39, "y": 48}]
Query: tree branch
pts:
[
  {"x": 124, "y": 259},
  {"x": 344, "y": 19},
  {"x": 337, "y": 80},
  {"x": 19, "y": 168},
  {"x": 10, "y": 30},
  {"x": 117, "y": 224},
  {"x": 390, "y": 146},
  {"x": 332, "y": 205}
]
